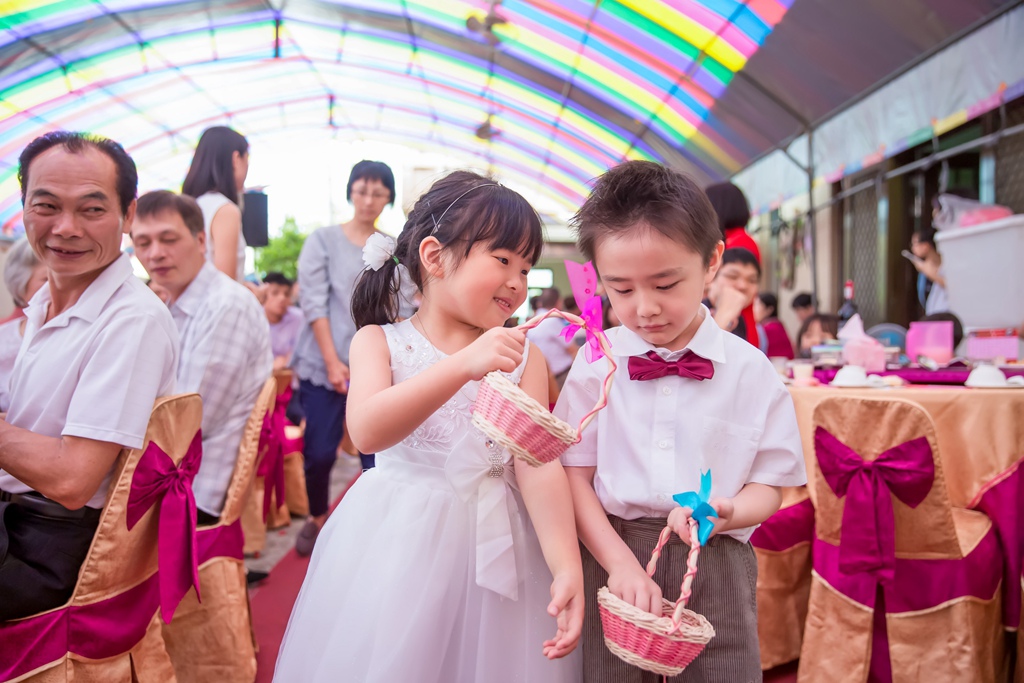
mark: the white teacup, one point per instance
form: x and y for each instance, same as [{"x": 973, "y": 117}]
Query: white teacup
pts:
[
  {"x": 851, "y": 376},
  {"x": 802, "y": 369},
  {"x": 986, "y": 376}
]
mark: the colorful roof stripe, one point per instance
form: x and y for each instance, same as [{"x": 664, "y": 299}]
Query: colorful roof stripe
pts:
[{"x": 571, "y": 86}]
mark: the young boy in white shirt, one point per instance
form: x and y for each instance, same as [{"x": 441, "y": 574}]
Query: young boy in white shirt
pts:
[{"x": 687, "y": 397}]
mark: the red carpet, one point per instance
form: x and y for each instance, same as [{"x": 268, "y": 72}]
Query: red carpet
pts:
[{"x": 272, "y": 604}]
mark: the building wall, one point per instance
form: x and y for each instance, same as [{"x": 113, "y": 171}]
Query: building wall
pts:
[
  {"x": 774, "y": 253},
  {"x": 1009, "y": 175}
]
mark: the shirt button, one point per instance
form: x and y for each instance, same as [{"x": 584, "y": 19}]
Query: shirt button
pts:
[
  {"x": 663, "y": 444},
  {"x": 666, "y": 391},
  {"x": 661, "y": 497}
]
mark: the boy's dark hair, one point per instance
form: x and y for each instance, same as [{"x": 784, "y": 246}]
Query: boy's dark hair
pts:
[
  {"x": 958, "y": 327},
  {"x": 802, "y": 300},
  {"x": 730, "y": 205},
  {"x": 211, "y": 169},
  {"x": 372, "y": 170},
  {"x": 126, "y": 179},
  {"x": 652, "y": 195},
  {"x": 741, "y": 256},
  {"x": 461, "y": 210},
  {"x": 275, "y": 278},
  {"x": 770, "y": 301},
  {"x": 164, "y": 201}
]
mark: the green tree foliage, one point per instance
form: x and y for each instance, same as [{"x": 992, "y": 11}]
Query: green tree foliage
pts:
[{"x": 282, "y": 252}]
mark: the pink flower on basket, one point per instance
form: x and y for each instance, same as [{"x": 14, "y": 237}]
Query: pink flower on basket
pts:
[{"x": 583, "y": 280}]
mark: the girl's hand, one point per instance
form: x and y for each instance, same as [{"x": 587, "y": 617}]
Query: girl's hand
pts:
[
  {"x": 632, "y": 584},
  {"x": 567, "y": 609},
  {"x": 500, "y": 348},
  {"x": 678, "y": 519}
]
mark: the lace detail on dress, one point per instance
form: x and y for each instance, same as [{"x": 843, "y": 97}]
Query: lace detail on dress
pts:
[{"x": 411, "y": 354}]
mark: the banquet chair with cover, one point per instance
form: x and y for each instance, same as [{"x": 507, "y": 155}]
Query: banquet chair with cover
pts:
[
  {"x": 110, "y": 628},
  {"x": 783, "y": 547},
  {"x": 262, "y": 513},
  {"x": 210, "y": 638},
  {"x": 905, "y": 586}
]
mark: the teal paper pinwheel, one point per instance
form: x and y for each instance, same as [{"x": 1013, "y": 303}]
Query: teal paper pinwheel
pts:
[{"x": 702, "y": 511}]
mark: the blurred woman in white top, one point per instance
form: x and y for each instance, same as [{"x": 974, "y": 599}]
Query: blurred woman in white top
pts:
[
  {"x": 215, "y": 180},
  {"x": 23, "y": 276}
]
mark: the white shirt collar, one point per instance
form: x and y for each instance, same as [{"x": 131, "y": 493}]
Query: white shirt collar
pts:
[
  {"x": 92, "y": 301},
  {"x": 707, "y": 342}
]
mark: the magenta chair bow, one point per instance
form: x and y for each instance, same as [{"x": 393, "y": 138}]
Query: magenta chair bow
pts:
[
  {"x": 272, "y": 445},
  {"x": 158, "y": 482},
  {"x": 868, "y": 537}
]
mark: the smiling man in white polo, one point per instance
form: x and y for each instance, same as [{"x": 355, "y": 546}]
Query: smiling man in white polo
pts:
[{"x": 99, "y": 349}]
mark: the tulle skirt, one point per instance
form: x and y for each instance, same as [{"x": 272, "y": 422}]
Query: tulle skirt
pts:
[{"x": 390, "y": 595}]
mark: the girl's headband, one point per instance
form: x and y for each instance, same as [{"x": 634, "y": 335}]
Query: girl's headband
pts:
[{"x": 437, "y": 221}]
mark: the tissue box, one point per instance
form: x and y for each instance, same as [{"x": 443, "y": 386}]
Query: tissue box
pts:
[
  {"x": 865, "y": 352},
  {"x": 992, "y": 344}
]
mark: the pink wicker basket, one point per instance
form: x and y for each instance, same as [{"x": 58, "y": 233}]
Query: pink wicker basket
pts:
[
  {"x": 662, "y": 644},
  {"x": 505, "y": 413}
]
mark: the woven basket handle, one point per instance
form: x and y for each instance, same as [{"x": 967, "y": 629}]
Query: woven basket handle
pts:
[
  {"x": 691, "y": 568},
  {"x": 601, "y": 339}
]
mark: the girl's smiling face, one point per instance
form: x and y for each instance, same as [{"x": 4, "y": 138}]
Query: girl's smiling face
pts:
[{"x": 487, "y": 287}]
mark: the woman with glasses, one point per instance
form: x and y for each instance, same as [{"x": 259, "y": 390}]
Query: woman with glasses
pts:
[{"x": 330, "y": 262}]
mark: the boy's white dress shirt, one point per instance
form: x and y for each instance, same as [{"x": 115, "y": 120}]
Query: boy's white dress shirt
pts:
[{"x": 655, "y": 437}]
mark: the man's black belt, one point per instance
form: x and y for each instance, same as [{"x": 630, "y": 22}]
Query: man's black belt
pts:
[{"x": 41, "y": 505}]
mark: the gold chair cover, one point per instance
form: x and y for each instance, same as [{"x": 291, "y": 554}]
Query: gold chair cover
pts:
[
  {"x": 119, "y": 559},
  {"x": 212, "y": 640},
  {"x": 958, "y": 640}
]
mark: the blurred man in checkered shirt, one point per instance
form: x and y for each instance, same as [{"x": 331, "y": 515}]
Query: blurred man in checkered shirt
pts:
[{"x": 225, "y": 338}]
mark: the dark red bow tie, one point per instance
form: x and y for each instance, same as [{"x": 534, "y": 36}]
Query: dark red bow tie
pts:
[{"x": 653, "y": 366}]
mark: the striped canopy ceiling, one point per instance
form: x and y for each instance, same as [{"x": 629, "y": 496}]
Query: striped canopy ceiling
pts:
[{"x": 569, "y": 87}]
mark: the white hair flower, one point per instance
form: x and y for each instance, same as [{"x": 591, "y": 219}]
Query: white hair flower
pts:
[{"x": 378, "y": 250}]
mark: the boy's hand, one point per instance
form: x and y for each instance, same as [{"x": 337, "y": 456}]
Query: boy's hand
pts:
[
  {"x": 500, "y": 348},
  {"x": 567, "y": 608},
  {"x": 731, "y": 301},
  {"x": 632, "y": 584},
  {"x": 678, "y": 519}
]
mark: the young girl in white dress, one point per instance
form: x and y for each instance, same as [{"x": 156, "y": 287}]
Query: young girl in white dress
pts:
[{"x": 448, "y": 562}]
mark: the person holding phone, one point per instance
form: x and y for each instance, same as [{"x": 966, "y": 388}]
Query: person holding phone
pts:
[{"x": 931, "y": 281}]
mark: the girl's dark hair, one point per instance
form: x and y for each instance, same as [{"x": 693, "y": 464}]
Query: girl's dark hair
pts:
[
  {"x": 730, "y": 204},
  {"x": 372, "y": 170},
  {"x": 460, "y": 210},
  {"x": 771, "y": 301},
  {"x": 211, "y": 169},
  {"x": 829, "y": 324}
]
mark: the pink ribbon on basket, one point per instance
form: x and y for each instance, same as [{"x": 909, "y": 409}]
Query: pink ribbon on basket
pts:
[
  {"x": 583, "y": 280},
  {"x": 272, "y": 444},
  {"x": 868, "y": 534},
  {"x": 158, "y": 482}
]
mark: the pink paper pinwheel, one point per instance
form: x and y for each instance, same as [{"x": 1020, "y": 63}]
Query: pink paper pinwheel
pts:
[{"x": 583, "y": 280}]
